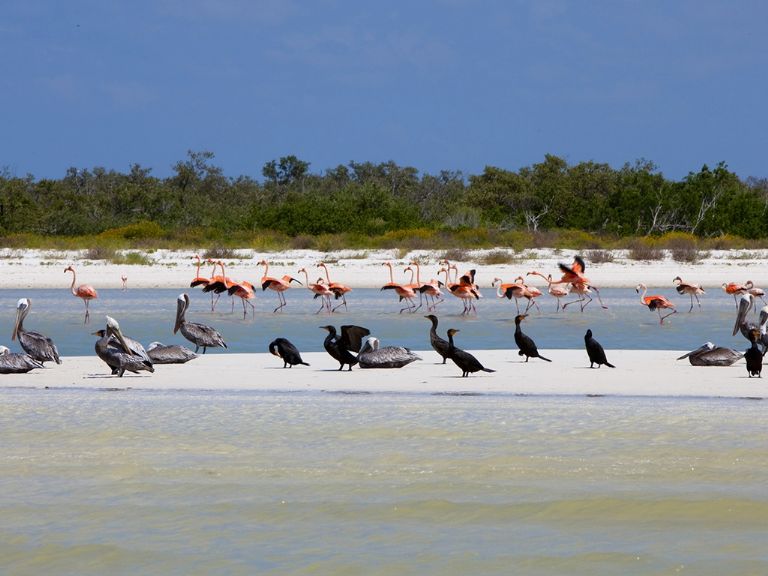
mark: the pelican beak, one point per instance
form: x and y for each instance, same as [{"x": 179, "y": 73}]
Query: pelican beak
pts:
[
  {"x": 115, "y": 330},
  {"x": 181, "y": 306},
  {"x": 745, "y": 303}
]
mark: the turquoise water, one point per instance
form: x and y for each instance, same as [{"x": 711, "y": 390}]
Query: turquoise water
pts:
[
  {"x": 148, "y": 315},
  {"x": 256, "y": 483}
]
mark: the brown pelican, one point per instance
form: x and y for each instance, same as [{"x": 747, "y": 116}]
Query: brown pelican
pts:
[
  {"x": 119, "y": 352},
  {"x": 12, "y": 363},
  {"x": 372, "y": 356},
  {"x": 440, "y": 345},
  {"x": 595, "y": 351},
  {"x": 198, "y": 334},
  {"x": 282, "y": 348},
  {"x": 525, "y": 343},
  {"x": 341, "y": 347},
  {"x": 159, "y": 353},
  {"x": 463, "y": 359},
  {"x": 710, "y": 355},
  {"x": 39, "y": 347},
  {"x": 744, "y": 305}
]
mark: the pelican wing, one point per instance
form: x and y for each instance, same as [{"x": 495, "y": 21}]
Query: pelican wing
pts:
[
  {"x": 39, "y": 347},
  {"x": 387, "y": 357},
  {"x": 171, "y": 354},
  {"x": 11, "y": 363},
  {"x": 202, "y": 335}
]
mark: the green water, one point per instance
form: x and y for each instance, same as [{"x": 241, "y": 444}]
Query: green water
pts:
[{"x": 249, "y": 483}]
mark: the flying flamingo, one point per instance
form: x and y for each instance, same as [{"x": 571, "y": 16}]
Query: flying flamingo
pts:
[
  {"x": 339, "y": 290},
  {"x": 554, "y": 290},
  {"x": 580, "y": 284},
  {"x": 693, "y": 290},
  {"x": 320, "y": 290},
  {"x": 84, "y": 291},
  {"x": 279, "y": 285},
  {"x": 655, "y": 302},
  {"x": 404, "y": 292}
]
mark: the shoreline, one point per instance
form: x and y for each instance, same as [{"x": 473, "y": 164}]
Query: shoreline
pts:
[
  {"x": 43, "y": 269},
  {"x": 638, "y": 373}
]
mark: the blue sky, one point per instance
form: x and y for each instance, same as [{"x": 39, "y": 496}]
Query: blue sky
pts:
[{"x": 433, "y": 84}]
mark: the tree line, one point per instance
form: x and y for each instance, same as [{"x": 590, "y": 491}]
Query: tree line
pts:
[{"x": 371, "y": 199}]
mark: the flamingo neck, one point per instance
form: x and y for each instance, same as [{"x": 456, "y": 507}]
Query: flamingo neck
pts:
[
  {"x": 72, "y": 286},
  {"x": 327, "y": 277}
]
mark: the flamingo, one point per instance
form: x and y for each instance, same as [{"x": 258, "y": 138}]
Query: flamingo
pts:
[
  {"x": 124, "y": 278},
  {"x": 655, "y": 302},
  {"x": 464, "y": 291},
  {"x": 85, "y": 291},
  {"x": 219, "y": 284},
  {"x": 339, "y": 290},
  {"x": 735, "y": 289},
  {"x": 404, "y": 292},
  {"x": 509, "y": 291},
  {"x": 320, "y": 290},
  {"x": 531, "y": 293},
  {"x": 756, "y": 292},
  {"x": 279, "y": 285},
  {"x": 693, "y": 290},
  {"x": 429, "y": 289},
  {"x": 201, "y": 280},
  {"x": 246, "y": 292},
  {"x": 554, "y": 290}
]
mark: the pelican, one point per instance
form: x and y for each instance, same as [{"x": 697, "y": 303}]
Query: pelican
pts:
[
  {"x": 341, "y": 347},
  {"x": 12, "y": 363},
  {"x": 39, "y": 347},
  {"x": 372, "y": 356},
  {"x": 159, "y": 353},
  {"x": 119, "y": 352},
  {"x": 710, "y": 355},
  {"x": 198, "y": 334},
  {"x": 744, "y": 305}
]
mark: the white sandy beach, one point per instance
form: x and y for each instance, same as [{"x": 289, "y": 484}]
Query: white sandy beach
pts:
[
  {"x": 364, "y": 269},
  {"x": 637, "y": 373}
]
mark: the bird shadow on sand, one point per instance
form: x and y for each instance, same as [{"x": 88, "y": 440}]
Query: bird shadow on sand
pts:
[{"x": 112, "y": 376}]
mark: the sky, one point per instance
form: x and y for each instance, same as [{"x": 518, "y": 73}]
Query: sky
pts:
[{"x": 433, "y": 84}]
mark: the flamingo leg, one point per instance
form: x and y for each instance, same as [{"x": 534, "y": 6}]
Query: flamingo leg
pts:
[
  {"x": 343, "y": 303},
  {"x": 87, "y": 312},
  {"x": 661, "y": 318}
]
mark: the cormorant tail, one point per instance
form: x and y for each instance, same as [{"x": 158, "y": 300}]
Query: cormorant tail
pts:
[
  {"x": 488, "y": 370},
  {"x": 545, "y": 359},
  {"x": 610, "y": 365}
]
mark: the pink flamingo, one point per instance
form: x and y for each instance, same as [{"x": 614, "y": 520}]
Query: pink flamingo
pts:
[
  {"x": 555, "y": 290},
  {"x": 404, "y": 292},
  {"x": 279, "y": 285},
  {"x": 339, "y": 290},
  {"x": 245, "y": 291},
  {"x": 84, "y": 291},
  {"x": 320, "y": 290},
  {"x": 655, "y": 302}
]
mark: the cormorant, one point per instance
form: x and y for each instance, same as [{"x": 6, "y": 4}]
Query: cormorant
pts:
[
  {"x": 288, "y": 352},
  {"x": 525, "y": 343},
  {"x": 340, "y": 346},
  {"x": 372, "y": 356},
  {"x": 595, "y": 351},
  {"x": 198, "y": 334},
  {"x": 440, "y": 345},
  {"x": 37, "y": 346},
  {"x": 754, "y": 356},
  {"x": 463, "y": 359}
]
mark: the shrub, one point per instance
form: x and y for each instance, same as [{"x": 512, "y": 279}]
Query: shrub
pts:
[
  {"x": 599, "y": 256},
  {"x": 139, "y": 230},
  {"x": 220, "y": 253},
  {"x": 642, "y": 250},
  {"x": 100, "y": 253},
  {"x": 497, "y": 257}
]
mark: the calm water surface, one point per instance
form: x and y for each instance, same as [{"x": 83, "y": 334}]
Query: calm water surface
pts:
[
  {"x": 148, "y": 315},
  {"x": 147, "y": 482}
]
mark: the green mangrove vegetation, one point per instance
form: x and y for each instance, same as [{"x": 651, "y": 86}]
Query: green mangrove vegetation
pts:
[{"x": 368, "y": 205}]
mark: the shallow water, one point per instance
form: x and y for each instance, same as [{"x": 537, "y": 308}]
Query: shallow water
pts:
[
  {"x": 148, "y": 315},
  {"x": 245, "y": 483}
]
